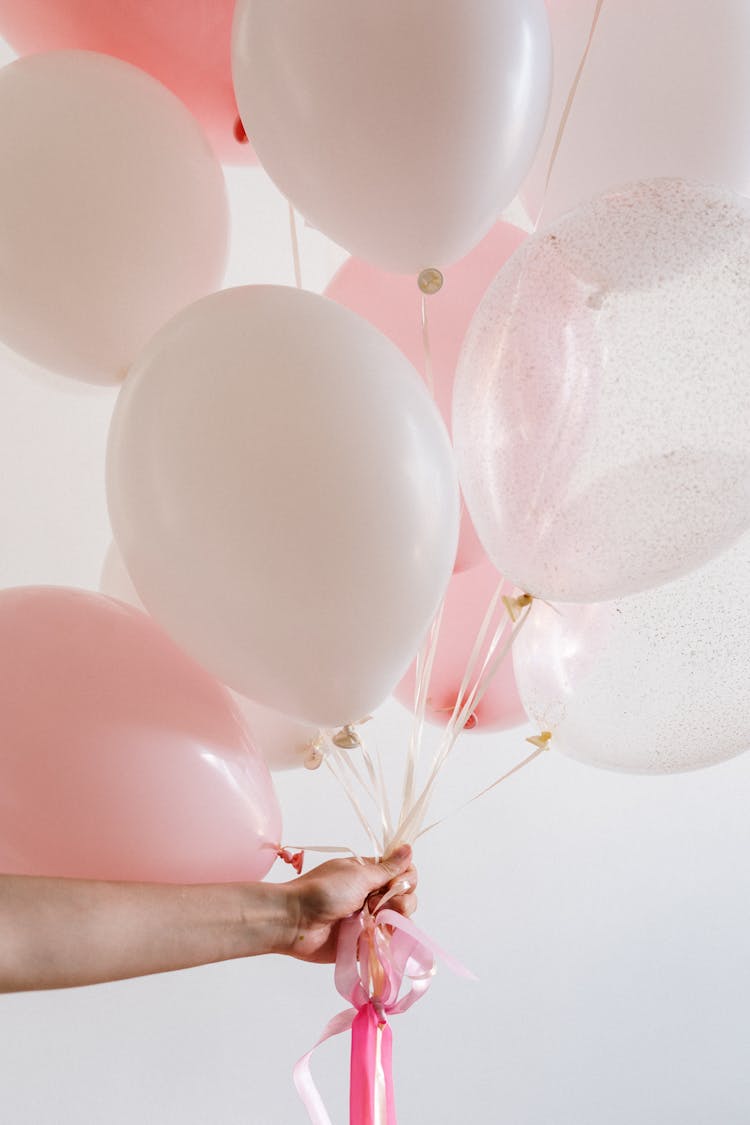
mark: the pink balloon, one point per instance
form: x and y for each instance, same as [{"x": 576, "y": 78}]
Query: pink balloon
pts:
[
  {"x": 466, "y": 604},
  {"x": 392, "y": 303},
  {"x": 121, "y": 758},
  {"x": 187, "y": 46}
]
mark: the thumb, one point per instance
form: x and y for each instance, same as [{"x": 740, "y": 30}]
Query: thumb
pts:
[{"x": 391, "y": 865}]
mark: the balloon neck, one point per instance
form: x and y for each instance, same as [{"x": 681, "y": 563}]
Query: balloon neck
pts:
[
  {"x": 239, "y": 132},
  {"x": 515, "y": 605},
  {"x": 346, "y": 738},
  {"x": 430, "y": 281},
  {"x": 541, "y": 741},
  {"x": 314, "y": 753},
  {"x": 470, "y": 723}
]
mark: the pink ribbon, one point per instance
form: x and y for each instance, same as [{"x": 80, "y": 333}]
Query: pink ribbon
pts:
[{"x": 376, "y": 953}]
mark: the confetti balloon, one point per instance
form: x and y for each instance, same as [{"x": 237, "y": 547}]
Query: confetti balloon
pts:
[
  {"x": 601, "y": 404},
  {"x": 653, "y": 683}
]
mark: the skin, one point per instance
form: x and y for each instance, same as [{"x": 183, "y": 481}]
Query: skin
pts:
[{"x": 63, "y": 933}]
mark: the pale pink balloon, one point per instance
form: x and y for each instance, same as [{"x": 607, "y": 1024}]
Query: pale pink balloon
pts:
[
  {"x": 466, "y": 603},
  {"x": 120, "y": 757},
  {"x": 392, "y": 303},
  {"x": 113, "y": 212},
  {"x": 187, "y": 46}
]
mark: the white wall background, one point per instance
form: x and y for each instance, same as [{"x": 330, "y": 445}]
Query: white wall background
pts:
[{"x": 607, "y": 916}]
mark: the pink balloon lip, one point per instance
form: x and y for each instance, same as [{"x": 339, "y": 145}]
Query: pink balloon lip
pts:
[{"x": 239, "y": 133}]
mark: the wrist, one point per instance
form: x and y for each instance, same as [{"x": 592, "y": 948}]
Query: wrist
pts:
[{"x": 269, "y": 918}]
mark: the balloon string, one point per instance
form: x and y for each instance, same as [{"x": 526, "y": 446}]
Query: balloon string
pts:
[
  {"x": 425, "y": 662},
  {"x": 426, "y": 349},
  {"x": 295, "y": 247},
  {"x": 409, "y": 804},
  {"x": 376, "y": 788},
  {"x": 474, "y": 654},
  {"x": 412, "y": 822},
  {"x": 518, "y": 766},
  {"x": 333, "y": 763},
  {"x": 375, "y": 769},
  {"x": 568, "y": 107}
]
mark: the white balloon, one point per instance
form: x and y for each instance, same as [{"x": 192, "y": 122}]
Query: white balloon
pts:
[
  {"x": 115, "y": 581},
  {"x": 654, "y": 683},
  {"x": 113, "y": 211},
  {"x": 282, "y": 489},
  {"x": 665, "y": 92},
  {"x": 602, "y": 401},
  {"x": 400, "y": 129},
  {"x": 284, "y": 743}
]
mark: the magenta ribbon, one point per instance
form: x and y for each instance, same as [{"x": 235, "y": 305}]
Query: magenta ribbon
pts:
[{"x": 376, "y": 953}]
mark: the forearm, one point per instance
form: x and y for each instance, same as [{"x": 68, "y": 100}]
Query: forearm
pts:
[{"x": 60, "y": 933}]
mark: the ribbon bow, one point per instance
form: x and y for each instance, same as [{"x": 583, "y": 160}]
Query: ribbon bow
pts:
[{"x": 376, "y": 953}]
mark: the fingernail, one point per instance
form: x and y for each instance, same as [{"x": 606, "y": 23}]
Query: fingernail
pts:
[{"x": 402, "y": 852}]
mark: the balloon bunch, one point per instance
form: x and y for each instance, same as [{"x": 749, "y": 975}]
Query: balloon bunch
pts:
[{"x": 318, "y": 501}]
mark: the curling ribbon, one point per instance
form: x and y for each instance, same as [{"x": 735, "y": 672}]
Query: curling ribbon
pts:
[{"x": 375, "y": 954}]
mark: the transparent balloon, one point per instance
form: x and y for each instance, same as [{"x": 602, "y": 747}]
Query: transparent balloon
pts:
[
  {"x": 653, "y": 683},
  {"x": 601, "y": 402}
]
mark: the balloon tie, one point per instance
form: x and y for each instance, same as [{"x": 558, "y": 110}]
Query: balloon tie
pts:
[
  {"x": 239, "y": 132},
  {"x": 294, "y": 859},
  {"x": 346, "y": 738},
  {"x": 314, "y": 753},
  {"x": 515, "y": 605},
  {"x": 541, "y": 741}
]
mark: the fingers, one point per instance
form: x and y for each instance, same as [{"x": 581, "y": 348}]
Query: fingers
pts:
[
  {"x": 379, "y": 875},
  {"x": 405, "y": 899},
  {"x": 396, "y": 863}
]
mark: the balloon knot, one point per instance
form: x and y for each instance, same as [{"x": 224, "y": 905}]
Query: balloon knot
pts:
[
  {"x": 239, "y": 132},
  {"x": 294, "y": 859},
  {"x": 430, "y": 281},
  {"x": 346, "y": 738},
  {"x": 515, "y": 605},
  {"x": 541, "y": 741}
]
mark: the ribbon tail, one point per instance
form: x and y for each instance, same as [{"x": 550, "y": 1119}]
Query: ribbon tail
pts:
[
  {"x": 303, "y": 1079},
  {"x": 371, "y": 1096}
]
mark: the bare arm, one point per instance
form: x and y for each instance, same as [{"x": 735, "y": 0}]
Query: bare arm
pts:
[{"x": 59, "y": 933}]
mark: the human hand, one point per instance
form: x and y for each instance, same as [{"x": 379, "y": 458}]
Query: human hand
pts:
[{"x": 320, "y": 900}]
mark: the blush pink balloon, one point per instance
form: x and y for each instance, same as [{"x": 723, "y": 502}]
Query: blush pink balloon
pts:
[
  {"x": 392, "y": 303},
  {"x": 187, "y": 46},
  {"x": 466, "y": 604},
  {"x": 120, "y": 757}
]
